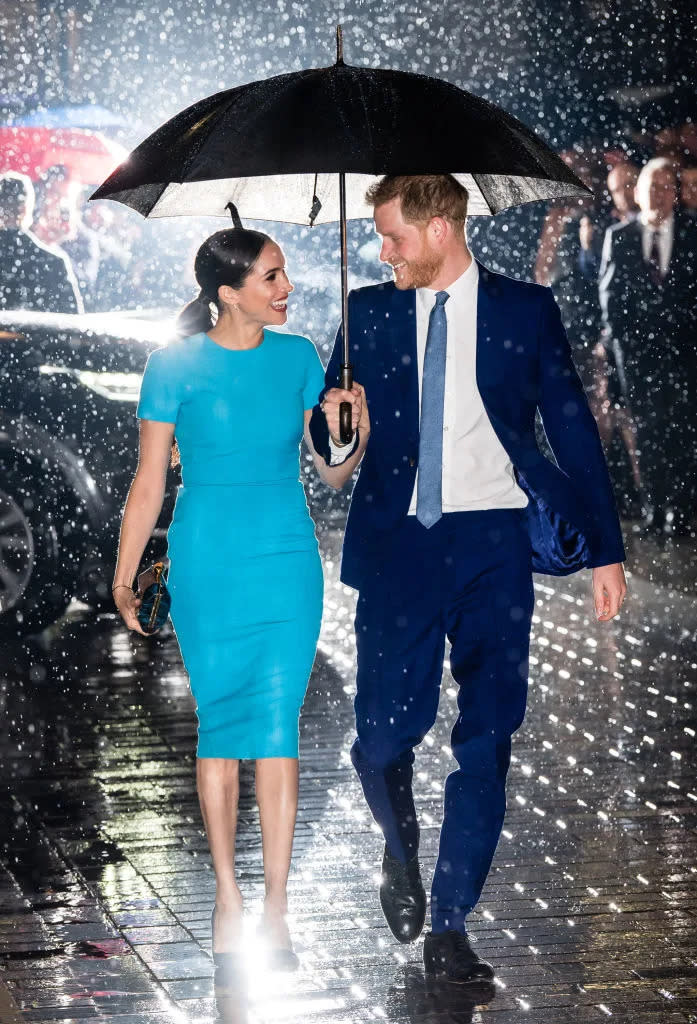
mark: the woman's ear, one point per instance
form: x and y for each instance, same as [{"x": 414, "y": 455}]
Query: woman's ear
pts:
[{"x": 228, "y": 296}]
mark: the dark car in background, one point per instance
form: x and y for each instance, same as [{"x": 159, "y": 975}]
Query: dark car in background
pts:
[{"x": 68, "y": 449}]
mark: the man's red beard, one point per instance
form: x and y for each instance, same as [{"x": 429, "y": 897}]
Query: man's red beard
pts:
[{"x": 418, "y": 273}]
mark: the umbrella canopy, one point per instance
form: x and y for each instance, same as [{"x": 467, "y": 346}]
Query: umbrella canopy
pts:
[
  {"x": 87, "y": 155},
  {"x": 302, "y": 148},
  {"x": 271, "y": 146}
]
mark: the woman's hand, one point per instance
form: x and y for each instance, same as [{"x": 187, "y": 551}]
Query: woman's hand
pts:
[{"x": 128, "y": 605}]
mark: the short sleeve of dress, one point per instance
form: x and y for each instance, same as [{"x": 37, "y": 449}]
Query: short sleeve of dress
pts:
[
  {"x": 314, "y": 377},
  {"x": 159, "y": 390}
]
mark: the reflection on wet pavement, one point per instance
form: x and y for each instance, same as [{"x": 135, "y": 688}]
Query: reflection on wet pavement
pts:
[{"x": 589, "y": 913}]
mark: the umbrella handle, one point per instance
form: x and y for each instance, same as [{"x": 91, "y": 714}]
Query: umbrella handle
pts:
[{"x": 345, "y": 409}]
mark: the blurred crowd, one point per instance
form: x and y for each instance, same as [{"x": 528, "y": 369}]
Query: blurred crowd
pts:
[
  {"x": 621, "y": 264},
  {"x": 62, "y": 254},
  {"x": 622, "y": 267}
]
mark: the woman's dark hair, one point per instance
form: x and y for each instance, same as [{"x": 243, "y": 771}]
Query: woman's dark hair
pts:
[{"x": 225, "y": 258}]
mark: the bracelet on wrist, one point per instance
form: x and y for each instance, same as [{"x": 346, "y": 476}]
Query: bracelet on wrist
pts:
[{"x": 121, "y": 586}]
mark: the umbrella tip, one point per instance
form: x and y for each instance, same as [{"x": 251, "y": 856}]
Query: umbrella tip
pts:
[
  {"x": 339, "y": 44},
  {"x": 236, "y": 221}
]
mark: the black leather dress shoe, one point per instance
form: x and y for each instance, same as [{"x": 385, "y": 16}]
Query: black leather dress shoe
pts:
[
  {"x": 402, "y": 897},
  {"x": 449, "y": 957}
]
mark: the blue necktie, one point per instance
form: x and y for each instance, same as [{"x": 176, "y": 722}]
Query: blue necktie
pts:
[{"x": 429, "y": 492}]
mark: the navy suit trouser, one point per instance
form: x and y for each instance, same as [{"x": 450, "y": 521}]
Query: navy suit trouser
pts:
[{"x": 469, "y": 579}]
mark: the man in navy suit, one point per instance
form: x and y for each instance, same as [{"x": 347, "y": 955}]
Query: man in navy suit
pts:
[{"x": 454, "y": 508}]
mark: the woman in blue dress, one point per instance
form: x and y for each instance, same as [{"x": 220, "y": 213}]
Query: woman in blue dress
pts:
[{"x": 245, "y": 574}]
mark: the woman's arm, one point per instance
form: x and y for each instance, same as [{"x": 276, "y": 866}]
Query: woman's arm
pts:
[
  {"x": 337, "y": 476},
  {"x": 140, "y": 513}
]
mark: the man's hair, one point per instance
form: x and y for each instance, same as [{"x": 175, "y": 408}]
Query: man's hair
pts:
[
  {"x": 16, "y": 194},
  {"x": 422, "y": 196},
  {"x": 624, "y": 165},
  {"x": 15, "y": 186},
  {"x": 659, "y": 163}
]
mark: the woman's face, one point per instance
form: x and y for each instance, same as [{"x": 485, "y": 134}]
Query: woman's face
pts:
[{"x": 264, "y": 294}]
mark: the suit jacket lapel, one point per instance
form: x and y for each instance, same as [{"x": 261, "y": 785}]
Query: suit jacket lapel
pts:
[
  {"x": 499, "y": 391},
  {"x": 486, "y": 329},
  {"x": 401, "y": 362},
  {"x": 681, "y": 257}
]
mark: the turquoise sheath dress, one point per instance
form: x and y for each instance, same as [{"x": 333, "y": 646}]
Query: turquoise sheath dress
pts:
[{"x": 245, "y": 573}]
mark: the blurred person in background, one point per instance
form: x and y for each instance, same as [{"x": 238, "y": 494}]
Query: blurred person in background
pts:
[
  {"x": 60, "y": 222},
  {"x": 611, "y": 413},
  {"x": 687, "y": 141},
  {"x": 83, "y": 246},
  {"x": 568, "y": 261},
  {"x": 688, "y": 191},
  {"x": 53, "y": 204},
  {"x": 648, "y": 296},
  {"x": 621, "y": 186},
  {"x": 567, "y": 232},
  {"x": 113, "y": 288},
  {"x": 667, "y": 144},
  {"x": 33, "y": 276}
]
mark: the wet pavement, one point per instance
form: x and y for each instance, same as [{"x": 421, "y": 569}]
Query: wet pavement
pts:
[{"x": 589, "y": 913}]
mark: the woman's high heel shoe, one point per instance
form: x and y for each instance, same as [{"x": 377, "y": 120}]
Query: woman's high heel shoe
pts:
[
  {"x": 283, "y": 960},
  {"x": 228, "y": 966},
  {"x": 279, "y": 958}
]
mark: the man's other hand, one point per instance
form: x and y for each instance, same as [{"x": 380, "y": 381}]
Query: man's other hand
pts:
[{"x": 609, "y": 590}]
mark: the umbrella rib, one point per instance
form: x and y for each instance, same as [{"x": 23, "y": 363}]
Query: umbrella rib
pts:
[{"x": 199, "y": 144}]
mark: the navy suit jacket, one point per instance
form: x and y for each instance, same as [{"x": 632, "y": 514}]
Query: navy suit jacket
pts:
[
  {"x": 648, "y": 323},
  {"x": 523, "y": 364}
]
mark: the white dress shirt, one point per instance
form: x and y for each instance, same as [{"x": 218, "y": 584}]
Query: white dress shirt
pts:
[
  {"x": 665, "y": 241},
  {"x": 477, "y": 472}
]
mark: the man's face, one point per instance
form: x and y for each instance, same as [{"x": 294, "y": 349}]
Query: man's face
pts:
[
  {"x": 621, "y": 182},
  {"x": 406, "y": 247},
  {"x": 656, "y": 192}
]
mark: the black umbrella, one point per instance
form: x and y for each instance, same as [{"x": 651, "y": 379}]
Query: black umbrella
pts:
[{"x": 303, "y": 147}]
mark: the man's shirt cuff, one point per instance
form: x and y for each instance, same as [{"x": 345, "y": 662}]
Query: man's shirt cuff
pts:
[{"x": 340, "y": 453}]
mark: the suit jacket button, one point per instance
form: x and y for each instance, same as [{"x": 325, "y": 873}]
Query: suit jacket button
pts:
[{"x": 412, "y": 461}]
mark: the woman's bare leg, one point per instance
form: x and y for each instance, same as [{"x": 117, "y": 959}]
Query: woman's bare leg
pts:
[
  {"x": 218, "y": 783},
  {"x": 277, "y": 797}
]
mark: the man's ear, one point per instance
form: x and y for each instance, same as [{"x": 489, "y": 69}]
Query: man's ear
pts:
[{"x": 439, "y": 228}]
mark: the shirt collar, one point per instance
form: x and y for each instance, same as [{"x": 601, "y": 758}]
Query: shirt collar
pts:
[
  {"x": 663, "y": 229},
  {"x": 461, "y": 288}
]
